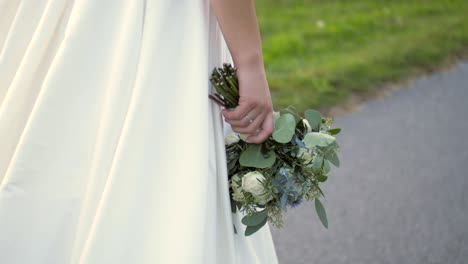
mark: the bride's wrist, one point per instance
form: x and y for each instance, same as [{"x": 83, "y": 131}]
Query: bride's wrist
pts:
[{"x": 249, "y": 64}]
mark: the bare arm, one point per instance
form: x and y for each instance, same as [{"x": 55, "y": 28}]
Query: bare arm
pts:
[{"x": 238, "y": 22}]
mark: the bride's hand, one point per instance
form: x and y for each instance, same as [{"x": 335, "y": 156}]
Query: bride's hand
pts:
[{"x": 254, "y": 113}]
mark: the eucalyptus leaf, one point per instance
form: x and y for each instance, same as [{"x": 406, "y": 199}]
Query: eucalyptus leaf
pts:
[
  {"x": 317, "y": 163},
  {"x": 321, "y": 213},
  {"x": 334, "y": 144},
  {"x": 313, "y": 139},
  {"x": 322, "y": 178},
  {"x": 314, "y": 119},
  {"x": 291, "y": 110},
  {"x": 252, "y": 229},
  {"x": 333, "y": 158},
  {"x": 252, "y": 156},
  {"x": 284, "y": 128},
  {"x": 326, "y": 167},
  {"x": 235, "y": 230},
  {"x": 334, "y": 131},
  {"x": 255, "y": 219}
]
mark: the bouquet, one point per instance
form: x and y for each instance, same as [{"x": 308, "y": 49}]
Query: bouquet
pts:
[{"x": 283, "y": 171}]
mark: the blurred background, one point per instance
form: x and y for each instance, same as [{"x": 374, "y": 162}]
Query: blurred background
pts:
[
  {"x": 394, "y": 75},
  {"x": 318, "y": 53}
]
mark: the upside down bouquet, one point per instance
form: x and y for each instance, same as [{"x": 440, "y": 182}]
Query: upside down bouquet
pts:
[{"x": 283, "y": 171}]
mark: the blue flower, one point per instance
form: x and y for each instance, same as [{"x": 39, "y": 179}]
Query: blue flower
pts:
[{"x": 296, "y": 202}]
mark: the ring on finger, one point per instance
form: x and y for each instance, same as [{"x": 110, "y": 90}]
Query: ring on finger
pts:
[{"x": 249, "y": 119}]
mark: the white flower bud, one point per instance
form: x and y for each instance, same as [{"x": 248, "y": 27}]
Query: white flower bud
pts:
[
  {"x": 236, "y": 187},
  {"x": 307, "y": 125},
  {"x": 244, "y": 136},
  {"x": 235, "y": 180},
  {"x": 305, "y": 156},
  {"x": 231, "y": 138},
  {"x": 263, "y": 199},
  {"x": 238, "y": 196}
]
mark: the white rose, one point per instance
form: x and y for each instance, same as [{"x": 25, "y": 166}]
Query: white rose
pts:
[
  {"x": 304, "y": 154},
  {"x": 251, "y": 184},
  {"x": 231, "y": 138}
]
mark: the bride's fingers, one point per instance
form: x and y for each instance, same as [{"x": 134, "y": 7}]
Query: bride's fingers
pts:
[
  {"x": 252, "y": 127},
  {"x": 245, "y": 122},
  {"x": 239, "y": 112},
  {"x": 265, "y": 132}
]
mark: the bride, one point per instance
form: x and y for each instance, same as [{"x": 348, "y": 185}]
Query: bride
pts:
[{"x": 111, "y": 151}]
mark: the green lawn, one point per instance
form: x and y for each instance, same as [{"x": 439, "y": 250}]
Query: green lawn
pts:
[{"x": 317, "y": 53}]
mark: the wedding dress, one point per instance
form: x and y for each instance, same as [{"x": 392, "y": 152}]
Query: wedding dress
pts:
[{"x": 111, "y": 150}]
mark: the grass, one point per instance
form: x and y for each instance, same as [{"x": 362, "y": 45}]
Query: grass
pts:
[{"x": 318, "y": 53}]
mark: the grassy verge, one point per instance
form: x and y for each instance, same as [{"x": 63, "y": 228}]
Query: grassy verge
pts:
[{"x": 318, "y": 53}]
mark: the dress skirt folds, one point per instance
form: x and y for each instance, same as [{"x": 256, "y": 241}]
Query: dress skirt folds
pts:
[{"x": 111, "y": 150}]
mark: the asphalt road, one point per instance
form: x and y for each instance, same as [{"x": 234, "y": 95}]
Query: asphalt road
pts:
[{"x": 401, "y": 193}]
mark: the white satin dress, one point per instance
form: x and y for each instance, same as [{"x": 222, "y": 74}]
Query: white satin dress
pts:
[{"x": 111, "y": 151}]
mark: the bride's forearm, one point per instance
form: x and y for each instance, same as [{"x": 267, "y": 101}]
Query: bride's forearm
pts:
[{"x": 238, "y": 22}]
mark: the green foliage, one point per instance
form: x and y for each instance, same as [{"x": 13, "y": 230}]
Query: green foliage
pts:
[
  {"x": 332, "y": 157},
  {"x": 254, "y": 157},
  {"x": 282, "y": 171},
  {"x": 313, "y": 139},
  {"x": 334, "y": 131},
  {"x": 254, "y": 228},
  {"x": 284, "y": 128},
  {"x": 321, "y": 213},
  {"x": 314, "y": 119},
  {"x": 317, "y": 163},
  {"x": 318, "y": 53},
  {"x": 322, "y": 178},
  {"x": 254, "y": 219}
]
